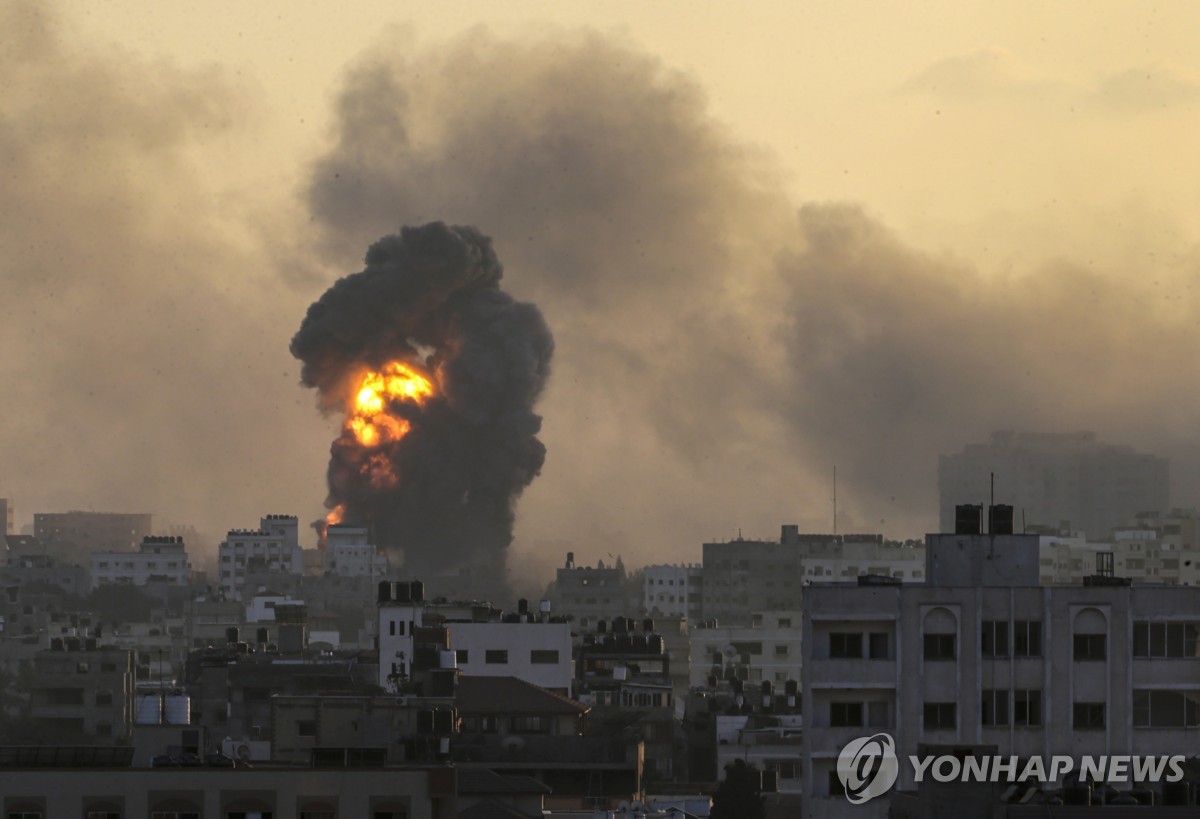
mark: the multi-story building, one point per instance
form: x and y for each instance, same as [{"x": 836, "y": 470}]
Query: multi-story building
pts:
[
  {"x": 88, "y": 782},
  {"x": 590, "y": 593},
  {"x": 158, "y": 558},
  {"x": 485, "y": 643},
  {"x": 768, "y": 648},
  {"x": 984, "y": 655},
  {"x": 7, "y": 517},
  {"x": 91, "y": 531},
  {"x": 1154, "y": 549},
  {"x": 1070, "y": 480},
  {"x": 82, "y": 693},
  {"x": 273, "y": 547},
  {"x": 673, "y": 590},
  {"x": 24, "y": 569},
  {"x": 349, "y": 554}
]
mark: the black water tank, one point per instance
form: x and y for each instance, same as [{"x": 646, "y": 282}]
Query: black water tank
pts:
[
  {"x": 1000, "y": 520},
  {"x": 263, "y": 636},
  {"x": 231, "y": 635},
  {"x": 1176, "y": 793},
  {"x": 385, "y": 591},
  {"x": 968, "y": 519},
  {"x": 1079, "y": 793},
  {"x": 417, "y": 589}
]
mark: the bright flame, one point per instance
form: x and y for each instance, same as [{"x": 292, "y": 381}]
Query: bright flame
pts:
[{"x": 369, "y": 422}]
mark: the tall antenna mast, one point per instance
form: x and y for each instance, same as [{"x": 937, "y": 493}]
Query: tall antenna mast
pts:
[{"x": 835, "y": 499}]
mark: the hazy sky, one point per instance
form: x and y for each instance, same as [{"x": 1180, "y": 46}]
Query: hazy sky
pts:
[{"x": 770, "y": 240}]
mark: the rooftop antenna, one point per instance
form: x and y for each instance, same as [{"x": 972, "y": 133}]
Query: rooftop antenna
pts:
[
  {"x": 992, "y": 501},
  {"x": 835, "y": 499}
]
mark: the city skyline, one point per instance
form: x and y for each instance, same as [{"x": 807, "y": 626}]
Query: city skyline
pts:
[{"x": 767, "y": 246}]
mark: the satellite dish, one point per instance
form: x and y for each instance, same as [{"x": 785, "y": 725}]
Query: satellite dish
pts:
[
  {"x": 513, "y": 744},
  {"x": 243, "y": 752},
  {"x": 729, "y": 651}
]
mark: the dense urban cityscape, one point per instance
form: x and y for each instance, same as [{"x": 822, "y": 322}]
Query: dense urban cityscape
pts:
[{"x": 290, "y": 672}]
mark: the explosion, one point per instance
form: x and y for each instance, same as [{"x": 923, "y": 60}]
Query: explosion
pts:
[{"x": 437, "y": 370}]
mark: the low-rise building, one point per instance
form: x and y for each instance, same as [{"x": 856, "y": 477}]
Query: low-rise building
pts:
[
  {"x": 273, "y": 547},
  {"x": 83, "y": 693},
  {"x": 673, "y": 590}
]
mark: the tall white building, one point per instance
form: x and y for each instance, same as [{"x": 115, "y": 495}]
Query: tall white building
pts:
[
  {"x": 274, "y": 546},
  {"x": 349, "y": 554},
  {"x": 673, "y": 590},
  {"x": 159, "y": 558}
]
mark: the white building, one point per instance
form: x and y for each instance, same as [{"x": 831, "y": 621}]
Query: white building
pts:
[
  {"x": 538, "y": 653},
  {"x": 769, "y": 649},
  {"x": 261, "y": 607},
  {"x": 161, "y": 559},
  {"x": 273, "y": 547},
  {"x": 349, "y": 554},
  {"x": 534, "y": 651},
  {"x": 1034, "y": 670},
  {"x": 672, "y": 590},
  {"x": 774, "y": 748}
]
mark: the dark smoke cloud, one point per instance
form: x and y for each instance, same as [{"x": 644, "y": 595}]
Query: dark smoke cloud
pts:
[
  {"x": 719, "y": 350},
  {"x": 472, "y": 448}
]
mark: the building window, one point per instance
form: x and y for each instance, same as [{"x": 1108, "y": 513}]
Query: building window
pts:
[
  {"x": 845, "y": 714},
  {"x": 1027, "y": 638},
  {"x": 317, "y": 814},
  {"x": 940, "y": 716},
  {"x": 994, "y": 709},
  {"x": 878, "y": 645},
  {"x": 1166, "y": 639},
  {"x": 104, "y": 698},
  {"x": 845, "y": 645},
  {"x": 1090, "y": 646},
  {"x": 781, "y": 651},
  {"x": 543, "y": 656},
  {"x": 1027, "y": 707},
  {"x": 785, "y": 622},
  {"x": 836, "y": 788},
  {"x": 993, "y": 641},
  {"x": 1166, "y": 709},
  {"x": 306, "y": 728},
  {"x": 1089, "y": 716},
  {"x": 462, "y": 656},
  {"x": 940, "y": 646},
  {"x": 495, "y": 656}
]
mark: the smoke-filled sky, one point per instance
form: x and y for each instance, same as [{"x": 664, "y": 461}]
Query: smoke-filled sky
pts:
[{"x": 769, "y": 241}]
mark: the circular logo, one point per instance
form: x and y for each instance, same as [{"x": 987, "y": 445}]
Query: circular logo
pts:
[{"x": 867, "y": 767}]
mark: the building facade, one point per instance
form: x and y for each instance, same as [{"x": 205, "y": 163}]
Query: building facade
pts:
[
  {"x": 1032, "y": 670},
  {"x": 273, "y": 547},
  {"x": 158, "y": 558}
]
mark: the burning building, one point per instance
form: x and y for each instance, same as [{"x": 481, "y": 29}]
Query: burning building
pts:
[{"x": 437, "y": 371}]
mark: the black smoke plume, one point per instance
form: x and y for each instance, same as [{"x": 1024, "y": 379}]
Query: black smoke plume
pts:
[{"x": 431, "y": 296}]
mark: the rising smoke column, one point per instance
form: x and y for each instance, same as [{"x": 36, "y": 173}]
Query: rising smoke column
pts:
[{"x": 438, "y": 370}]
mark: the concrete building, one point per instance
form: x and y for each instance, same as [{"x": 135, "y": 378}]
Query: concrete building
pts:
[
  {"x": 1153, "y": 549},
  {"x": 1103, "y": 668},
  {"x": 673, "y": 590},
  {"x": 745, "y": 577},
  {"x": 591, "y": 593},
  {"x": 484, "y": 642},
  {"x": 66, "y": 782},
  {"x": 273, "y": 547},
  {"x": 1071, "y": 481},
  {"x": 83, "y": 693},
  {"x": 28, "y": 569},
  {"x": 160, "y": 559},
  {"x": 769, "y": 648},
  {"x": 349, "y": 554},
  {"x": 92, "y": 531},
  {"x": 7, "y": 517}
]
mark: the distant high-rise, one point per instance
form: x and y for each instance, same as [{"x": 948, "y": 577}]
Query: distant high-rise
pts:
[
  {"x": 6, "y": 517},
  {"x": 72, "y": 536},
  {"x": 1069, "y": 480}
]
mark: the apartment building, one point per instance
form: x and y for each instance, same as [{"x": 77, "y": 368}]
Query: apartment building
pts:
[
  {"x": 161, "y": 559},
  {"x": 673, "y": 590},
  {"x": 273, "y": 547},
  {"x": 83, "y": 693},
  {"x": 348, "y": 553},
  {"x": 972, "y": 659}
]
